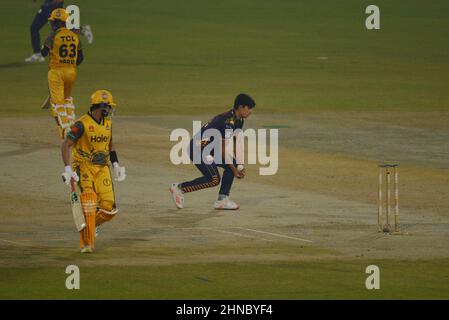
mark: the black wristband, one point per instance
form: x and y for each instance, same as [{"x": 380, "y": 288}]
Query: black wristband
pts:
[{"x": 113, "y": 156}]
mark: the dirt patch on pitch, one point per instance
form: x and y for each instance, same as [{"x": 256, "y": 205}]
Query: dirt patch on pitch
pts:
[{"x": 320, "y": 205}]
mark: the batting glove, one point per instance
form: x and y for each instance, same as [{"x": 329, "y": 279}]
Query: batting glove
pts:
[
  {"x": 68, "y": 174},
  {"x": 120, "y": 174}
]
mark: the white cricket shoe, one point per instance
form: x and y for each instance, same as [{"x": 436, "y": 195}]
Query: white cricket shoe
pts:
[
  {"x": 87, "y": 32},
  {"x": 35, "y": 57},
  {"x": 177, "y": 195},
  {"x": 226, "y": 204},
  {"x": 87, "y": 249}
]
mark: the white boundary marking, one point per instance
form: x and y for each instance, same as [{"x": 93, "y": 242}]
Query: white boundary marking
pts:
[
  {"x": 275, "y": 234},
  {"x": 241, "y": 235},
  {"x": 118, "y": 232},
  {"x": 13, "y": 242}
]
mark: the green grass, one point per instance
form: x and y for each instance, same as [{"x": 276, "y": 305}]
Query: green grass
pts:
[
  {"x": 178, "y": 57},
  {"x": 283, "y": 280}
]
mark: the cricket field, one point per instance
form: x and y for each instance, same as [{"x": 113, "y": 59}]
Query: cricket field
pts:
[{"x": 343, "y": 98}]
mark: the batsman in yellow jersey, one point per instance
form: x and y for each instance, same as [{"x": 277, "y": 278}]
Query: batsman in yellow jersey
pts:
[
  {"x": 86, "y": 152},
  {"x": 64, "y": 48}
]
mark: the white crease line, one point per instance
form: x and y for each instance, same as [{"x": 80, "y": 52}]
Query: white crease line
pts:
[
  {"x": 241, "y": 235},
  {"x": 275, "y": 234},
  {"x": 33, "y": 240},
  {"x": 13, "y": 242},
  {"x": 176, "y": 228}
]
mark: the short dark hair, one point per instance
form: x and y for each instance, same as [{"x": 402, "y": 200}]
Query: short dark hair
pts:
[
  {"x": 244, "y": 100},
  {"x": 56, "y": 24}
]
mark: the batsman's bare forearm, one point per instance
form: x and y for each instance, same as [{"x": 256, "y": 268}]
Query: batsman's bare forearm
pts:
[
  {"x": 80, "y": 58},
  {"x": 65, "y": 151},
  {"x": 113, "y": 154}
]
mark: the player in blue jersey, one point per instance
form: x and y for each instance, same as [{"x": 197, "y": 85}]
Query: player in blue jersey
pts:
[{"x": 225, "y": 124}]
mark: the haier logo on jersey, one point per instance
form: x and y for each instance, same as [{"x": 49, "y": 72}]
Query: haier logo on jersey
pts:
[{"x": 101, "y": 138}]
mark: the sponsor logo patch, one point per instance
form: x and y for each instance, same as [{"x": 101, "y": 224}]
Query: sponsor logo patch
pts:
[{"x": 101, "y": 138}]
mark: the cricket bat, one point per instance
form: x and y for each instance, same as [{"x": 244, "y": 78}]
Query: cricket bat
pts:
[
  {"x": 46, "y": 103},
  {"x": 77, "y": 210}
]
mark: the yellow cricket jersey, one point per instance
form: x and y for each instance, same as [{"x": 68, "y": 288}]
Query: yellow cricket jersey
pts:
[
  {"x": 92, "y": 141},
  {"x": 64, "y": 47}
]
